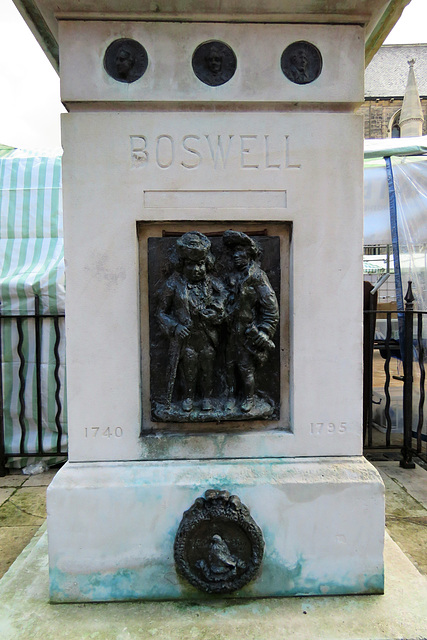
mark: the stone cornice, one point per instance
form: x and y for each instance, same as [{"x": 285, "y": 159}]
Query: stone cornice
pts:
[{"x": 377, "y": 16}]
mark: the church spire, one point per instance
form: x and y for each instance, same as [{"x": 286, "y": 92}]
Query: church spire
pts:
[{"x": 411, "y": 116}]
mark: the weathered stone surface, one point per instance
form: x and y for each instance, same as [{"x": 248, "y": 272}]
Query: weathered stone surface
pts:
[
  {"x": 108, "y": 411},
  {"x": 170, "y": 76},
  {"x": 399, "y": 613},
  {"x": 112, "y": 536},
  {"x": 166, "y": 154}
]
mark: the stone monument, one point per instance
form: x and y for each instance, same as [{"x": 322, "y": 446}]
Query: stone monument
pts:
[{"x": 213, "y": 235}]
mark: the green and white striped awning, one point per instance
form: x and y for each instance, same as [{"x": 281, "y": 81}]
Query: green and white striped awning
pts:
[
  {"x": 31, "y": 235},
  {"x": 31, "y": 264},
  {"x": 373, "y": 267}
]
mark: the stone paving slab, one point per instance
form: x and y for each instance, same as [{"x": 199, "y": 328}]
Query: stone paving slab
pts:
[
  {"x": 41, "y": 479},
  {"x": 406, "y": 516},
  {"x": 27, "y": 507},
  {"x": 414, "y": 481},
  {"x": 22, "y": 511},
  {"x": 12, "y": 541},
  {"x": 411, "y": 536},
  {"x": 13, "y": 480},
  {"x": 397, "y": 500},
  {"x": 399, "y": 614},
  {"x": 5, "y": 494}
]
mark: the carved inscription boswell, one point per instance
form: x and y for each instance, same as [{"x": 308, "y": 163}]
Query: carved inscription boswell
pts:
[{"x": 249, "y": 151}]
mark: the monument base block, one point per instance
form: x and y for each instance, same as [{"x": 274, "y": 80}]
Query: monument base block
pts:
[{"x": 112, "y": 526}]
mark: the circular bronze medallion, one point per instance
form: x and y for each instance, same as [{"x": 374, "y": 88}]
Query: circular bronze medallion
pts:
[
  {"x": 301, "y": 62},
  {"x": 214, "y": 63},
  {"x": 218, "y": 545},
  {"x": 125, "y": 60}
]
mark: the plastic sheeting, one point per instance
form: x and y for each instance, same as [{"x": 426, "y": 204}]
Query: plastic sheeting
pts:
[
  {"x": 410, "y": 183},
  {"x": 31, "y": 263},
  {"x": 410, "y": 179}
]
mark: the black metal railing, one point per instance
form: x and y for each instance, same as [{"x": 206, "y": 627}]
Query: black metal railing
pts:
[
  {"x": 33, "y": 334},
  {"x": 384, "y": 430},
  {"x": 393, "y": 417}
]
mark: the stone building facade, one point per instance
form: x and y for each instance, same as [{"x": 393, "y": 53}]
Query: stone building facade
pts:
[{"x": 385, "y": 83}]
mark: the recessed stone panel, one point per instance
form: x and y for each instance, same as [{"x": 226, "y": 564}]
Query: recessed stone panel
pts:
[
  {"x": 241, "y": 378},
  {"x": 249, "y": 73}
]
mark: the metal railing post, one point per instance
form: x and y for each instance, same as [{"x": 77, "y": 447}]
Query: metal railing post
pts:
[
  {"x": 23, "y": 382},
  {"x": 37, "y": 336},
  {"x": 369, "y": 377},
  {"x": 421, "y": 352},
  {"x": 369, "y": 318},
  {"x": 406, "y": 461},
  {"x": 3, "y": 469}
]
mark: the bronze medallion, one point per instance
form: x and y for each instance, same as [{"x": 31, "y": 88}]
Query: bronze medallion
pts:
[
  {"x": 125, "y": 60},
  {"x": 218, "y": 546},
  {"x": 214, "y": 63},
  {"x": 301, "y": 62}
]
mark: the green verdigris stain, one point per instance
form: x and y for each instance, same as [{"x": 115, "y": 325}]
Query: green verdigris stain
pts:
[
  {"x": 159, "y": 581},
  {"x": 375, "y": 583},
  {"x": 125, "y": 584}
]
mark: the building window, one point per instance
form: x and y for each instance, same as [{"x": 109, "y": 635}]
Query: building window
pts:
[
  {"x": 394, "y": 127},
  {"x": 395, "y": 132}
]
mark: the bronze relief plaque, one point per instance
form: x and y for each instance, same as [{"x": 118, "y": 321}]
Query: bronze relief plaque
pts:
[
  {"x": 218, "y": 546},
  {"x": 301, "y": 62},
  {"x": 214, "y": 316}
]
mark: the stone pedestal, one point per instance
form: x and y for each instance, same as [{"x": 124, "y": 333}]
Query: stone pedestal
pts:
[
  {"x": 119, "y": 521},
  {"x": 261, "y": 153}
]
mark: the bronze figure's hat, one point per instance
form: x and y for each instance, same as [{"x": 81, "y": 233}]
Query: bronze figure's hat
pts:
[
  {"x": 238, "y": 238},
  {"x": 193, "y": 245}
]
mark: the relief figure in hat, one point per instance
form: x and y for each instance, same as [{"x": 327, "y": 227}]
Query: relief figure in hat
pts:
[
  {"x": 252, "y": 319},
  {"x": 190, "y": 312}
]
